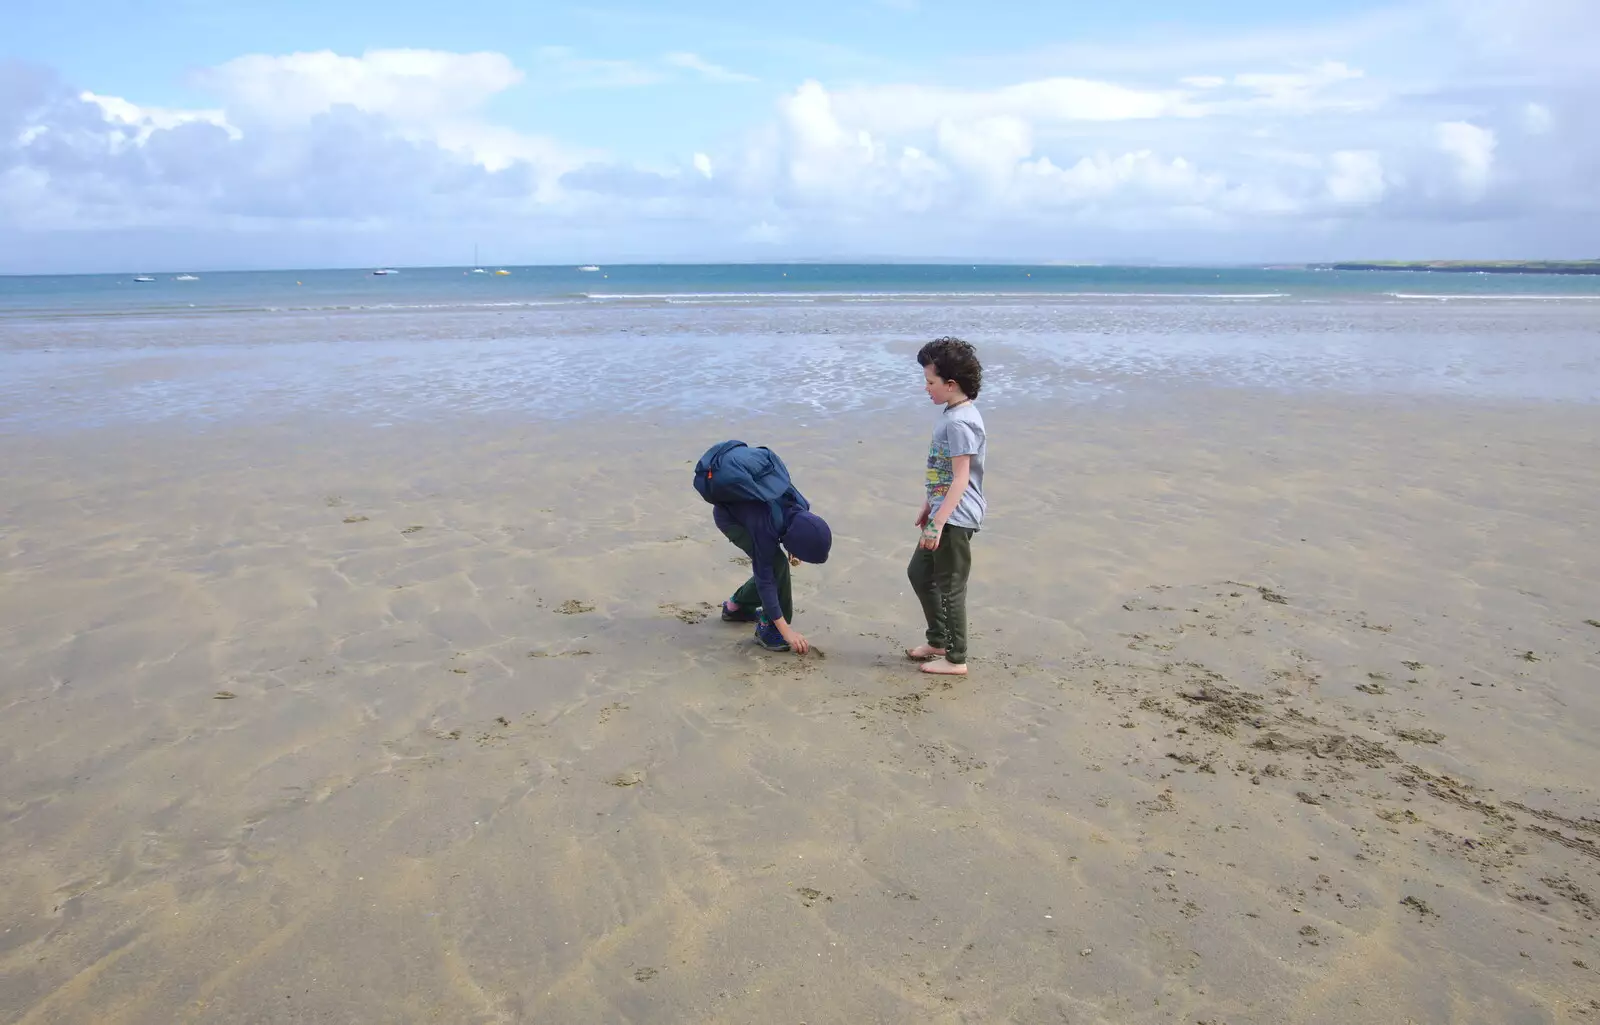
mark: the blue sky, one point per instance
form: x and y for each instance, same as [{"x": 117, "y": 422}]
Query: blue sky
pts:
[{"x": 290, "y": 134}]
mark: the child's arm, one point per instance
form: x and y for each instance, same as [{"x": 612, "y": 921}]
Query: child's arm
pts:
[
  {"x": 761, "y": 567},
  {"x": 797, "y": 640},
  {"x": 961, "y": 469}
]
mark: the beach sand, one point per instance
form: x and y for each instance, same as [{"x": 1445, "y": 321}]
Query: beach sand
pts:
[{"x": 1283, "y": 709}]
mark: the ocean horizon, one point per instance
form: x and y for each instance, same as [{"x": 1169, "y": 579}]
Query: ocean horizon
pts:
[{"x": 177, "y": 293}]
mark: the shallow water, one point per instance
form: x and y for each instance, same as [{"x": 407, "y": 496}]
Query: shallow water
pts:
[{"x": 830, "y": 354}]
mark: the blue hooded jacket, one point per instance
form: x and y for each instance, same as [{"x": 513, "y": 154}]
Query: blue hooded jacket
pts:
[{"x": 805, "y": 534}]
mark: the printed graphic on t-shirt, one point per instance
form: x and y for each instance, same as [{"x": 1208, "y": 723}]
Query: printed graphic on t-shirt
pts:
[{"x": 941, "y": 470}]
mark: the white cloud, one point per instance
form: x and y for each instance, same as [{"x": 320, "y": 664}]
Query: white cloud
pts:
[
  {"x": 149, "y": 119},
  {"x": 318, "y": 137},
  {"x": 1060, "y": 103},
  {"x": 1037, "y": 147},
  {"x": 713, "y": 72},
  {"x": 30, "y": 199},
  {"x": 824, "y": 159},
  {"x": 1410, "y": 122},
  {"x": 1123, "y": 179},
  {"x": 898, "y": 108},
  {"x": 408, "y": 86},
  {"x": 1473, "y": 149},
  {"x": 1301, "y": 90},
  {"x": 987, "y": 151},
  {"x": 496, "y": 148},
  {"x": 431, "y": 97},
  {"x": 825, "y": 164},
  {"x": 1356, "y": 177}
]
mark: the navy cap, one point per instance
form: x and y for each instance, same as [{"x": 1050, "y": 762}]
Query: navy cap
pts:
[{"x": 809, "y": 538}]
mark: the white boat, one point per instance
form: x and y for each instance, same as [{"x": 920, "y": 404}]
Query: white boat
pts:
[
  {"x": 142, "y": 277},
  {"x": 381, "y": 273},
  {"x": 185, "y": 277},
  {"x": 475, "y": 268},
  {"x": 589, "y": 267}
]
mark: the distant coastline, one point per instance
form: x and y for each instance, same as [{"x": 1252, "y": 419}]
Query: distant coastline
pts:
[{"x": 1474, "y": 266}]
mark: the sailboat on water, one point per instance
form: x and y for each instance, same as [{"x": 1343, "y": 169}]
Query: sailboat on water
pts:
[{"x": 475, "y": 268}]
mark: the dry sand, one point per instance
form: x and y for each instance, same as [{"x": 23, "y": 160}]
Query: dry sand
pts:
[{"x": 1282, "y": 710}]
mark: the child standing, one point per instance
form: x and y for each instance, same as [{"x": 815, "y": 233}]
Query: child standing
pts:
[{"x": 953, "y": 510}]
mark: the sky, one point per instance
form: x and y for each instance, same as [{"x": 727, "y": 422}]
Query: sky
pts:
[{"x": 176, "y": 134}]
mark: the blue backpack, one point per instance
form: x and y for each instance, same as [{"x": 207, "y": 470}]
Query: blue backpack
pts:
[{"x": 734, "y": 472}]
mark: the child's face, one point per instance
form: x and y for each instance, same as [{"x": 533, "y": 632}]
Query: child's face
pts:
[{"x": 939, "y": 390}]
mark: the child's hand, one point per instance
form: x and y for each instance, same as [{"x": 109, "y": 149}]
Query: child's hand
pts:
[
  {"x": 931, "y": 532},
  {"x": 797, "y": 641}
]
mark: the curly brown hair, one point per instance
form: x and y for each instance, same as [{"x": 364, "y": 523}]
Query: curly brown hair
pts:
[{"x": 954, "y": 360}]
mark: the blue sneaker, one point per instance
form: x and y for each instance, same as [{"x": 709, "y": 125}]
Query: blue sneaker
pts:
[{"x": 768, "y": 636}]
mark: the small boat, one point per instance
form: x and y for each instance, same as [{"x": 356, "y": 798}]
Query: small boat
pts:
[
  {"x": 479, "y": 270},
  {"x": 185, "y": 277},
  {"x": 589, "y": 267},
  {"x": 502, "y": 273},
  {"x": 142, "y": 277},
  {"x": 475, "y": 268},
  {"x": 381, "y": 273}
]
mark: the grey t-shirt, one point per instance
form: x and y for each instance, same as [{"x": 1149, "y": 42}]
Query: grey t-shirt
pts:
[{"x": 959, "y": 432}]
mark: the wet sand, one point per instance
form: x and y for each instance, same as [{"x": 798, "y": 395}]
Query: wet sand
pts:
[{"x": 1282, "y": 709}]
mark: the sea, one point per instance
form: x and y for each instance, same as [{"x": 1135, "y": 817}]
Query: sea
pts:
[{"x": 86, "y": 352}]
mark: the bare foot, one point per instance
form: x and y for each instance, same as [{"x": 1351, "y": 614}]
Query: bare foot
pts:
[
  {"x": 924, "y": 653},
  {"x": 939, "y": 667}
]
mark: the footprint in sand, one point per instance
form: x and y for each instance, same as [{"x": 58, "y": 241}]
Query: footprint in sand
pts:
[
  {"x": 1420, "y": 906},
  {"x": 809, "y": 896},
  {"x": 693, "y": 613}
]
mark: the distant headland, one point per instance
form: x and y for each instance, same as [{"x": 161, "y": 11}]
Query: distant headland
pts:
[{"x": 1474, "y": 266}]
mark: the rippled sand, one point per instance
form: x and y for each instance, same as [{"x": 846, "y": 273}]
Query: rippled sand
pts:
[{"x": 1282, "y": 710}]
